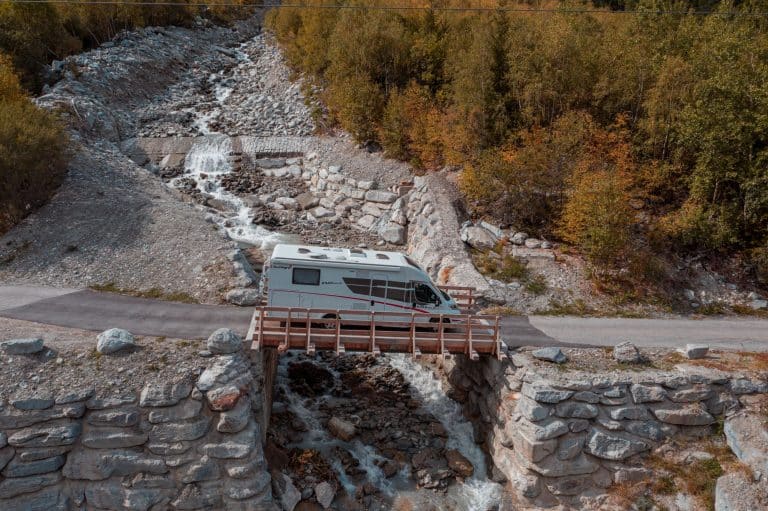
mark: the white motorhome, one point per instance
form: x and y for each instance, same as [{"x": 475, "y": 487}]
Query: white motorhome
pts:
[{"x": 350, "y": 279}]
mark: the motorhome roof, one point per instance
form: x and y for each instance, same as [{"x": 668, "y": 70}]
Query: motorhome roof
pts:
[{"x": 339, "y": 255}]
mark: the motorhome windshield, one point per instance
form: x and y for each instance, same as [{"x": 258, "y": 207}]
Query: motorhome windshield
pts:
[{"x": 425, "y": 294}]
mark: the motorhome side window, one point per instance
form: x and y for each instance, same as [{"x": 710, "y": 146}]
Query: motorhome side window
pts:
[
  {"x": 424, "y": 294},
  {"x": 306, "y": 276}
]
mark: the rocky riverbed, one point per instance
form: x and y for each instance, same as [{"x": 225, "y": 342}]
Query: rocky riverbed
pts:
[{"x": 375, "y": 434}]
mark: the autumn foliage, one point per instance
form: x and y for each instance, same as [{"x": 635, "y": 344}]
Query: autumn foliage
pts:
[{"x": 561, "y": 121}]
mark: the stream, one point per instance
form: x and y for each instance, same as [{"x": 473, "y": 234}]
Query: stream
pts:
[
  {"x": 406, "y": 431},
  {"x": 411, "y": 448}
]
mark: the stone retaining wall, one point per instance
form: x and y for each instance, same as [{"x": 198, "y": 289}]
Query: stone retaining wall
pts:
[
  {"x": 559, "y": 438},
  {"x": 192, "y": 444}
]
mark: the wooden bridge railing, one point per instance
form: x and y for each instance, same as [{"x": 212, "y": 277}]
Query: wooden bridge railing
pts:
[
  {"x": 464, "y": 296},
  {"x": 287, "y": 328}
]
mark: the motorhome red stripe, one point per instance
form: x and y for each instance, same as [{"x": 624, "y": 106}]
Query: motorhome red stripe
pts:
[{"x": 351, "y": 298}]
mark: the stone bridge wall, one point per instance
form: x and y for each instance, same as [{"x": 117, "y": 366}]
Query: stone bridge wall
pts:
[
  {"x": 193, "y": 444},
  {"x": 558, "y": 438}
]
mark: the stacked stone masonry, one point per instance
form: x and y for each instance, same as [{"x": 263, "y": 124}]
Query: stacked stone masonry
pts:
[
  {"x": 556, "y": 439},
  {"x": 419, "y": 215},
  {"x": 192, "y": 444}
]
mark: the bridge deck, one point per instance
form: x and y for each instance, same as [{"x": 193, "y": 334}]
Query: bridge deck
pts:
[{"x": 341, "y": 331}]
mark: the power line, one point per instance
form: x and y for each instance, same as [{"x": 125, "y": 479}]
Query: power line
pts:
[{"x": 520, "y": 10}]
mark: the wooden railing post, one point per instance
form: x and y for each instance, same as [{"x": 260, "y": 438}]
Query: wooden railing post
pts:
[
  {"x": 310, "y": 346},
  {"x": 440, "y": 339},
  {"x": 339, "y": 348},
  {"x": 372, "y": 338},
  {"x": 262, "y": 313}
]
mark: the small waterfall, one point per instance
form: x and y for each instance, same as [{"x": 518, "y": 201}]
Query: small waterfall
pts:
[
  {"x": 206, "y": 163},
  {"x": 477, "y": 493}
]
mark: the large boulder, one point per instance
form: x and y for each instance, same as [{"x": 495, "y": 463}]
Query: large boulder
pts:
[
  {"x": 244, "y": 297},
  {"x": 550, "y": 354},
  {"x": 393, "y": 233},
  {"x": 458, "y": 463},
  {"x": 324, "y": 493},
  {"x": 627, "y": 353},
  {"x": 477, "y": 237},
  {"x": 342, "y": 429},
  {"x": 224, "y": 341},
  {"x": 114, "y": 340}
]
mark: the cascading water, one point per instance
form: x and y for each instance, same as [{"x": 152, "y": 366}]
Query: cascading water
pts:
[
  {"x": 477, "y": 493},
  {"x": 208, "y": 161}
]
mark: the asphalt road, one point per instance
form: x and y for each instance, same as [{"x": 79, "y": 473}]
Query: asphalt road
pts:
[{"x": 91, "y": 310}]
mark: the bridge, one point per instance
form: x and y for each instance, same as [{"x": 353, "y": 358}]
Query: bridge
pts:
[{"x": 287, "y": 328}]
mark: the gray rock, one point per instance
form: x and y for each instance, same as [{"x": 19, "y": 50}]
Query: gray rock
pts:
[
  {"x": 552, "y": 354},
  {"x": 647, "y": 393},
  {"x": 532, "y": 410},
  {"x": 122, "y": 418},
  {"x": 180, "y": 431},
  {"x": 393, "y": 233},
  {"x": 236, "y": 419},
  {"x": 341, "y": 429},
  {"x": 223, "y": 370},
  {"x": 112, "y": 495},
  {"x": 544, "y": 430},
  {"x": 48, "y": 499},
  {"x": 695, "y": 351},
  {"x": 570, "y": 447},
  {"x": 635, "y": 413},
  {"x": 519, "y": 238},
  {"x": 224, "y": 341},
  {"x": 551, "y": 466},
  {"x": 532, "y": 449},
  {"x": 532, "y": 243},
  {"x": 744, "y": 386},
  {"x": 110, "y": 402},
  {"x": 747, "y": 436},
  {"x": 477, "y": 237},
  {"x": 613, "y": 446},
  {"x": 98, "y": 465},
  {"x": 244, "y": 297},
  {"x": 6, "y": 455},
  {"x": 18, "y": 468},
  {"x": 41, "y": 454},
  {"x": 164, "y": 394},
  {"x": 114, "y": 340},
  {"x": 627, "y": 353},
  {"x": 249, "y": 488},
  {"x": 47, "y": 435},
  {"x": 324, "y": 493},
  {"x": 576, "y": 410},
  {"x": 735, "y": 492},
  {"x": 288, "y": 494},
  {"x": 687, "y": 415},
  {"x": 12, "y": 487},
  {"x": 587, "y": 396},
  {"x": 113, "y": 438},
  {"x": 194, "y": 496},
  {"x": 381, "y": 196},
  {"x": 3, "y": 439},
  {"x": 545, "y": 394},
  {"x": 33, "y": 403},
  {"x": 649, "y": 429},
  {"x": 758, "y": 304},
  {"x": 697, "y": 393},
  {"x": 205, "y": 469},
  {"x": 22, "y": 346},
  {"x": 21, "y": 419},
  {"x": 75, "y": 396},
  {"x": 187, "y": 409}
]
